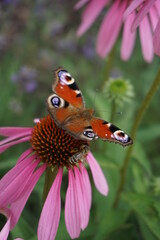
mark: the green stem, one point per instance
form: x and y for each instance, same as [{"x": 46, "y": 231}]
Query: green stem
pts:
[
  {"x": 109, "y": 64},
  {"x": 49, "y": 179},
  {"x": 113, "y": 113},
  {"x": 136, "y": 124}
]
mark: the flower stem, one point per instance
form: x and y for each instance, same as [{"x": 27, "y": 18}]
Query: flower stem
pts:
[
  {"x": 109, "y": 64},
  {"x": 136, "y": 124},
  {"x": 113, "y": 112},
  {"x": 49, "y": 179}
]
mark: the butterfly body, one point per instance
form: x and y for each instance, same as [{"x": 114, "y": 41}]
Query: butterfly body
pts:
[{"x": 66, "y": 106}]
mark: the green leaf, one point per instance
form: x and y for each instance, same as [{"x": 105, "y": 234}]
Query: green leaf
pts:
[
  {"x": 145, "y": 231},
  {"x": 140, "y": 155},
  {"x": 114, "y": 219},
  {"x": 146, "y": 209},
  {"x": 23, "y": 230},
  {"x": 149, "y": 133}
]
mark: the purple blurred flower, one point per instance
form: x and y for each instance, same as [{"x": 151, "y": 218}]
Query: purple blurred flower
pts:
[
  {"x": 27, "y": 77},
  {"x": 88, "y": 48}
]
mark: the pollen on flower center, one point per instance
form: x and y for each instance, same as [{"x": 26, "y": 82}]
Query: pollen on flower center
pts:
[{"x": 55, "y": 146}]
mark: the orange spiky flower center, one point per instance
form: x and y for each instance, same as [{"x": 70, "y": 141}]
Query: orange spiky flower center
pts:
[{"x": 55, "y": 146}]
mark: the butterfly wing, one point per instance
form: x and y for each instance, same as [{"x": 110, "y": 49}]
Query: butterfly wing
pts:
[
  {"x": 109, "y": 132},
  {"x": 66, "y": 99},
  {"x": 66, "y": 88},
  {"x": 66, "y": 106},
  {"x": 78, "y": 125}
]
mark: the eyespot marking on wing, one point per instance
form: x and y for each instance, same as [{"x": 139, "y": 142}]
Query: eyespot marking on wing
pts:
[
  {"x": 65, "y": 77},
  {"x": 57, "y": 102},
  {"x": 119, "y": 135},
  {"x": 88, "y": 133}
]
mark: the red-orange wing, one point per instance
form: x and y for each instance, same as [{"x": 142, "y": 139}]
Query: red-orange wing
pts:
[
  {"x": 66, "y": 88},
  {"x": 109, "y": 132}
]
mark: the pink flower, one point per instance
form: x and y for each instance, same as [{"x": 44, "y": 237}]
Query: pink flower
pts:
[
  {"x": 47, "y": 140},
  {"x": 131, "y": 14},
  {"x": 148, "y": 17}
]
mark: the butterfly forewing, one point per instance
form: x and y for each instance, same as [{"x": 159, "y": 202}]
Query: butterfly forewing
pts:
[{"x": 66, "y": 88}]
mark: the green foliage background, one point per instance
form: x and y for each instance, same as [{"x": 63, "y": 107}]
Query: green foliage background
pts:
[{"x": 42, "y": 35}]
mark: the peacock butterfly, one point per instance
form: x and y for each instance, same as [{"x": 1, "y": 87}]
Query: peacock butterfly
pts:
[{"x": 67, "y": 108}]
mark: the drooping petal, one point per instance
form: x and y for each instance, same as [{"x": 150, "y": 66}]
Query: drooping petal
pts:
[
  {"x": 98, "y": 177},
  {"x": 17, "y": 207},
  {"x": 72, "y": 214},
  {"x": 134, "y": 4},
  {"x": 14, "y": 182},
  {"x": 156, "y": 39},
  {"x": 87, "y": 184},
  {"x": 84, "y": 209},
  {"x": 6, "y": 146},
  {"x": 15, "y": 136},
  {"x": 110, "y": 28},
  {"x": 18, "y": 239},
  {"x": 153, "y": 17},
  {"x": 157, "y": 5},
  {"x": 142, "y": 13},
  {"x": 146, "y": 40},
  {"x": 128, "y": 38},
  {"x": 11, "y": 131},
  {"x": 90, "y": 14},
  {"x": 25, "y": 154},
  {"x": 49, "y": 219},
  {"x": 5, "y": 230},
  {"x": 80, "y": 4}
]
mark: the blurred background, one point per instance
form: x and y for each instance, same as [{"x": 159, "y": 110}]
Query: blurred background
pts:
[{"x": 36, "y": 37}]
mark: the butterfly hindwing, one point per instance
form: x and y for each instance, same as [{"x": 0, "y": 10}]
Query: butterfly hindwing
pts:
[{"x": 109, "y": 132}]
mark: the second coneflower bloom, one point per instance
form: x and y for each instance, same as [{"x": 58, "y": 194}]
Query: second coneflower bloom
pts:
[{"x": 51, "y": 148}]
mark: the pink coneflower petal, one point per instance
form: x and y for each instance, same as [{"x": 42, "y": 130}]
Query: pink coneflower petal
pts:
[
  {"x": 80, "y": 4},
  {"x": 146, "y": 39},
  {"x": 128, "y": 38},
  {"x": 11, "y": 138},
  {"x": 142, "y": 13},
  {"x": 156, "y": 39},
  {"x": 5, "y": 230},
  {"x": 98, "y": 177},
  {"x": 110, "y": 28},
  {"x": 157, "y": 5},
  {"x": 6, "y": 146},
  {"x": 49, "y": 219},
  {"x": 72, "y": 214},
  {"x": 14, "y": 182},
  {"x": 17, "y": 207},
  {"x": 11, "y": 131},
  {"x": 153, "y": 17},
  {"x": 25, "y": 154},
  {"x": 134, "y": 4},
  {"x": 90, "y": 14},
  {"x": 82, "y": 199},
  {"x": 87, "y": 184}
]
